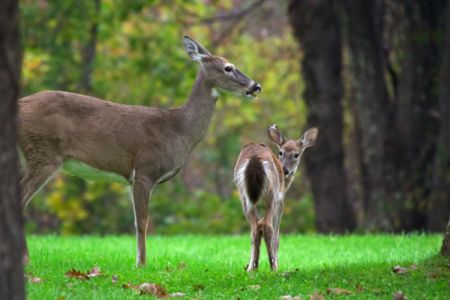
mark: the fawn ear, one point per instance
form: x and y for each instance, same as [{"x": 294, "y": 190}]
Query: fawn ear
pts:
[
  {"x": 309, "y": 137},
  {"x": 275, "y": 135},
  {"x": 196, "y": 51}
]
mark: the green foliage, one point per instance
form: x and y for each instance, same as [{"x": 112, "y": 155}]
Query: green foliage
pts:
[
  {"x": 140, "y": 60},
  {"x": 212, "y": 267}
]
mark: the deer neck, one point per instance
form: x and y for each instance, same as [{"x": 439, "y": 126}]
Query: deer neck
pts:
[{"x": 198, "y": 110}]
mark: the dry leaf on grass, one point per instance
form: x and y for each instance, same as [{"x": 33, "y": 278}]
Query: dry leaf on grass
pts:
[
  {"x": 288, "y": 274},
  {"x": 338, "y": 291},
  {"x": 399, "y": 270},
  {"x": 128, "y": 286},
  {"x": 413, "y": 267},
  {"x": 399, "y": 296},
  {"x": 94, "y": 272},
  {"x": 289, "y": 297},
  {"x": 198, "y": 287},
  {"x": 254, "y": 287},
  {"x": 33, "y": 279},
  {"x": 359, "y": 287},
  {"x": 114, "y": 278},
  {"x": 73, "y": 273},
  {"x": 316, "y": 296},
  {"x": 178, "y": 294},
  {"x": 181, "y": 265},
  {"x": 76, "y": 274},
  {"x": 152, "y": 289},
  {"x": 148, "y": 289}
]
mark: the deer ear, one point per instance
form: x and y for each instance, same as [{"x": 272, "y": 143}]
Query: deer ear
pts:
[
  {"x": 196, "y": 51},
  {"x": 275, "y": 135},
  {"x": 309, "y": 137}
]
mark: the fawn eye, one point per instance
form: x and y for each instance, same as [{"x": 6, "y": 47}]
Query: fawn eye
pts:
[
  {"x": 228, "y": 68},
  {"x": 280, "y": 153},
  {"x": 296, "y": 155}
]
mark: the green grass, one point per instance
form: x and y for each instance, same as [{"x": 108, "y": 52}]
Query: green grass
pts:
[{"x": 212, "y": 267}]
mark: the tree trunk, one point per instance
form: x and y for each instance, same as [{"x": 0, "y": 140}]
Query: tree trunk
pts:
[
  {"x": 11, "y": 222},
  {"x": 445, "y": 249},
  {"x": 439, "y": 206},
  {"x": 90, "y": 51},
  {"x": 317, "y": 30},
  {"x": 417, "y": 135},
  {"x": 363, "y": 31}
]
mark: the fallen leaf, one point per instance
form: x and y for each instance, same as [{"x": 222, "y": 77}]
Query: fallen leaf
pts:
[
  {"x": 76, "y": 274},
  {"x": 128, "y": 286},
  {"x": 254, "y": 287},
  {"x": 433, "y": 275},
  {"x": 399, "y": 270},
  {"x": 198, "y": 287},
  {"x": 413, "y": 267},
  {"x": 338, "y": 291},
  {"x": 182, "y": 265},
  {"x": 178, "y": 294},
  {"x": 316, "y": 296},
  {"x": 289, "y": 297},
  {"x": 399, "y": 296},
  {"x": 152, "y": 289},
  {"x": 359, "y": 287},
  {"x": 114, "y": 278},
  {"x": 34, "y": 279},
  {"x": 94, "y": 272},
  {"x": 288, "y": 274}
]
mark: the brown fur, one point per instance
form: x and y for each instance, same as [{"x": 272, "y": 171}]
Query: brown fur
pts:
[
  {"x": 260, "y": 173},
  {"x": 146, "y": 145}
]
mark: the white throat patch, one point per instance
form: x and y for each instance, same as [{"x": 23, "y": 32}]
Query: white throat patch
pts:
[{"x": 215, "y": 93}]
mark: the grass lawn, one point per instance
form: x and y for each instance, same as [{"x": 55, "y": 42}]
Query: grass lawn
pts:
[{"x": 212, "y": 267}]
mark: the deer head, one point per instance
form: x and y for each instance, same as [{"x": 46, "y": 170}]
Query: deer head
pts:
[
  {"x": 290, "y": 151},
  {"x": 220, "y": 72}
]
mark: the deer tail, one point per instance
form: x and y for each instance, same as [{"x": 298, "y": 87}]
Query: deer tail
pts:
[{"x": 255, "y": 179}]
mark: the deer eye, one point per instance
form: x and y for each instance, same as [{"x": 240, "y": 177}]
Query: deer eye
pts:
[
  {"x": 296, "y": 155},
  {"x": 280, "y": 153},
  {"x": 228, "y": 68}
]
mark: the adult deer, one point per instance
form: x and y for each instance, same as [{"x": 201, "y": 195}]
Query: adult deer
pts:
[
  {"x": 145, "y": 145},
  {"x": 260, "y": 174}
]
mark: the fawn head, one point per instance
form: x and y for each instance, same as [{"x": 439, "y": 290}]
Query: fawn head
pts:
[
  {"x": 221, "y": 72},
  {"x": 290, "y": 151}
]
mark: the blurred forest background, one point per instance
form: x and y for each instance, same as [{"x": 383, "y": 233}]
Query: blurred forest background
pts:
[{"x": 372, "y": 75}]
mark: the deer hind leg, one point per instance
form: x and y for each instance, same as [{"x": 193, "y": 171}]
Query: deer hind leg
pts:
[
  {"x": 141, "y": 194},
  {"x": 42, "y": 161},
  {"x": 35, "y": 177},
  {"x": 256, "y": 236},
  {"x": 266, "y": 224},
  {"x": 276, "y": 227},
  {"x": 37, "y": 173}
]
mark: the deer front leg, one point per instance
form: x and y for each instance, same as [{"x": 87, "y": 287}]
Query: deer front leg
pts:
[{"x": 141, "y": 194}]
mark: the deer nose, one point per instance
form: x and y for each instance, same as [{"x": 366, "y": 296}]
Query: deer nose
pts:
[
  {"x": 285, "y": 171},
  {"x": 256, "y": 88}
]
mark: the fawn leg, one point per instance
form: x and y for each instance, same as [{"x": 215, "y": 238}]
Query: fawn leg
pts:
[
  {"x": 276, "y": 228},
  {"x": 256, "y": 236}
]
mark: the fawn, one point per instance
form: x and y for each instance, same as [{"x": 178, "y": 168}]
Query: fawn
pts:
[{"x": 261, "y": 174}]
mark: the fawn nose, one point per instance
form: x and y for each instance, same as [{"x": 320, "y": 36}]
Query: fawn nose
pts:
[
  {"x": 256, "y": 88},
  {"x": 285, "y": 171}
]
